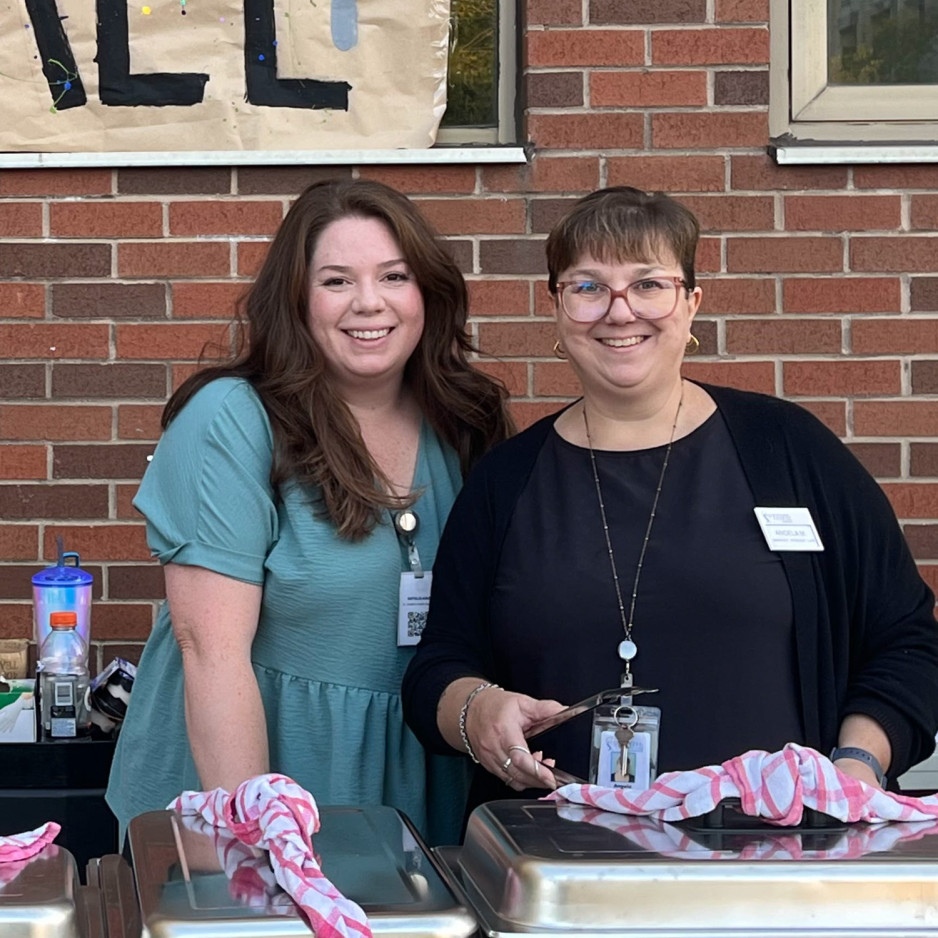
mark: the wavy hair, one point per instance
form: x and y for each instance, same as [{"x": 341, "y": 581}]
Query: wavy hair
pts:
[{"x": 317, "y": 441}]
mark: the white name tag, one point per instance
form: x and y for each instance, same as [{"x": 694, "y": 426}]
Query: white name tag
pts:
[
  {"x": 413, "y": 604},
  {"x": 788, "y": 529}
]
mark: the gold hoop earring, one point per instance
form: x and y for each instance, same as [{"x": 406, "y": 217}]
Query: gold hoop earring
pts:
[
  {"x": 559, "y": 351},
  {"x": 693, "y": 345}
]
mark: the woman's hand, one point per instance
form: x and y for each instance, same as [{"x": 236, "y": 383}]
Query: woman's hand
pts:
[{"x": 496, "y": 723}]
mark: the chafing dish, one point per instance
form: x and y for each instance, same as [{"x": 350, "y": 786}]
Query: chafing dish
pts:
[{"x": 539, "y": 868}]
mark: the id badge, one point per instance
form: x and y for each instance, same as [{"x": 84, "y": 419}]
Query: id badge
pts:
[
  {"x": 624, "y": 750},
  {"x": 413, "y": 605}
]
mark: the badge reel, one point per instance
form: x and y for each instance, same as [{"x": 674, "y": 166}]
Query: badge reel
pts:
[
  {"x": 414, "y": 598},
  {"x": 624, "y": 739}
]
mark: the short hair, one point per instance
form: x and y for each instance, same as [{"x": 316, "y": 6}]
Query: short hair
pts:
[{"x": 622, "y": 223}]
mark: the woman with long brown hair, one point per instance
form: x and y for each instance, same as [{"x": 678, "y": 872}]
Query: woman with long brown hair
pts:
[{"x": 296, "y": 499}]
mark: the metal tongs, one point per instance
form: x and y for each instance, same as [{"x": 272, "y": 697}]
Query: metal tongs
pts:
[{"x": 616, "y": 695}]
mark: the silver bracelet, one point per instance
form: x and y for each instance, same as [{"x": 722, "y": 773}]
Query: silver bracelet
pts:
[{"x": 465, "y": 712}]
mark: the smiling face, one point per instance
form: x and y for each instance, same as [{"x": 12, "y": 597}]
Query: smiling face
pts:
[
  {"x": 365, "y": 308},
  {"x": 622, "y": 353}
]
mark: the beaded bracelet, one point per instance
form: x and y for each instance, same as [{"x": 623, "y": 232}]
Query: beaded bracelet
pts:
[{"x": 465, "y": 712}]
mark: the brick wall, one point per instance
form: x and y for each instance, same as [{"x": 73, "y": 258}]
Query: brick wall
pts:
[{"x": 820, "y": 283}]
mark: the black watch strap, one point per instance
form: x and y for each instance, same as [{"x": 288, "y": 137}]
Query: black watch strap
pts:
[{"x": 861, "y": 755}]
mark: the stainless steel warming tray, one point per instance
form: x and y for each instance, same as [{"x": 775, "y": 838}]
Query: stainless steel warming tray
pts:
[
  {"x": 541, "y": 869},
  {"x": 371, "y": 854},
  {"x": 41, "y": 898}
]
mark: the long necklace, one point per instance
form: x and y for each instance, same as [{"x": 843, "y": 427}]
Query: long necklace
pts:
[{"x": 627, "y": 647}]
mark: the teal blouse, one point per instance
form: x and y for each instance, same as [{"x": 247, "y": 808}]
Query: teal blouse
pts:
[{"x": 325, "y": 653}]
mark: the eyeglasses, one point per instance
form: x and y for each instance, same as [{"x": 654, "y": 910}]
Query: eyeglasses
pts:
[{"x": 649, "y": 298}]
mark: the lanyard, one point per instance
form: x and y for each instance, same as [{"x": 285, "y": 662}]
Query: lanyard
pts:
[{"x": 406, "y": 523}]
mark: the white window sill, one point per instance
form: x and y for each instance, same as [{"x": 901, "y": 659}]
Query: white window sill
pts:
[
  {"x": 834, "y": 153},
  {"x": 434, "y": 155}
]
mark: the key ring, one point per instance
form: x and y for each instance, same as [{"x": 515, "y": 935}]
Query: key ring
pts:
[{"x": 619, "y": 721}]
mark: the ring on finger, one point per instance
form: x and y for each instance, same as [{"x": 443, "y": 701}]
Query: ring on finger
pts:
[
  {"x": 523, "y": 749},
  {"x": 537, "y": 769},
  {"x": 506, "y": 765}
]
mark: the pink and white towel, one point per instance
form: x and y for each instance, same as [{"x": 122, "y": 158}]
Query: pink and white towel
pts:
[
  {"x": 773, "y": 785},
  {"x": 23, "y": 846},
  {"x": 275, "y": 814}
]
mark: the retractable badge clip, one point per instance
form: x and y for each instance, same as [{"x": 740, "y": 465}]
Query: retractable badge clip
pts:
[{"x": 405, "y": 524}]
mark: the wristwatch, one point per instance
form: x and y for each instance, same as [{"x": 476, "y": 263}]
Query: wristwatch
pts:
[{"x": 861, "y": 755}]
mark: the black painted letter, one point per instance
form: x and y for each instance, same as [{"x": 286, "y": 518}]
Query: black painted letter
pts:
[
  {"x": 58, "y": 63},
  {"x": 121, "y": 89},
  {"x": 260, "y": 68}
]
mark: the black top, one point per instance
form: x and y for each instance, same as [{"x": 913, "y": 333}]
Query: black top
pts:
[
  {"x": 713, "y": 620},
  {"x": 863, "y": 620}
]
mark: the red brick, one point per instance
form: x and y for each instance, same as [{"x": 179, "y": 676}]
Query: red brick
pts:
[
  {"x": 598, "y": 131},
  {"x": 682, "y": 130},
  {"x": 841, "y": 378},
  {"x": 563, "y": 174},
  {"x": 742, "y": 11},
  {"x": 555, "y": 379},
  {"x": 55, "y": 182},
  {"x": 929, "y": 573},
  {"x": 173, "y": 259},
  {"x": 20, "y": 219},
  {"x": 251, "y": 255},
  {"x": 842, "y": 212},
  {"x": 180, "y": 372},
  {"x": 710, "y": 46},
  {"x": 525, "y": 413},
  {"x": 54, "y": 422},
  {"x": 833, "y": 414},
  {"x": 126, "y": 492},
  {"x": 509, "y": 178},
  {"x": 106, "y": 219},
  {"x": 19, "y": 542},
  {"x": 499, "y": 297},
  {"x": 554, "y": 13},
  {"x": 750, "y": 376},
  {"x": 23, "y": 462},
  {"x": 139, "y": 421},
  {"x": 912, "y": 499},
  {"x": 108, "y": 542},
  {"x": 545, "y": 213},
  {"x": 783, "y": 337},
  {"x": 737, "y": 295},
  {"x": 419, "y": 179},
  {"x": 514, "y": 375},
  {"x": 841, "y": 295},
  {"x": 774, "y": 255},
  {"x": 895, "y": 418},
  {"x": 901, "y": 254},
  {"x": 708, "y": 260},
  {"x": 762, "y": 172},
  {"x": 121, "y": 621},
  {"x": 896, "y": 336},
  {"x": 668, "y": 173},
  {"x": 517, "y": 339},
  {"x": 176, "y": 180},
  {"x": 16, "y": 620},
  {"x": 55, "y": 340},
  {"x": 172, "y": 341},
  {"x": 22, "y": 301},
  {"x": 585, "y": 47},
  {"x": 475, "y": 216},
  {"x": 56, "y": 259},
  {"x": 732, "y": 212},
  {"x": 925, "y": 211},
  {"x": 554, "y": 89},
  {"x": 896, "y": 176},
  {"x": 204, "y": 300},
  {"x": 105, "y": 299},
  {"x": 225, "y": 218},
  {"x": 648, "y": 88}
]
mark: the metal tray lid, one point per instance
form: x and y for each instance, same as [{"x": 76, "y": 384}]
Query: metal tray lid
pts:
[
  {"x": 38, "y": 896},
  {"x": 546, "y": 868},
  {"x": 372, "y": 854}
]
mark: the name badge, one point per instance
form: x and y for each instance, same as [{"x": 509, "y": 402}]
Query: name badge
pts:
[
  {"x": 788, "y": 529},
  {"x": 413, "y": 605}
]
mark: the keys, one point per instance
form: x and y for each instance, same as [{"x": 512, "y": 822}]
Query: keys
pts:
[{"x": 624, "y": 736}]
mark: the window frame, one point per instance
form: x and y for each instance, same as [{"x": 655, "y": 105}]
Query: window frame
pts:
[{"x": 804, "y": 109}]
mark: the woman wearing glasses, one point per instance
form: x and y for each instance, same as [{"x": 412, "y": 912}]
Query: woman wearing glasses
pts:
[{"x": 721, "y": 546}]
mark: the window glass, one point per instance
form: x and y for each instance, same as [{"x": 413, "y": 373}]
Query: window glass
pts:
[
  {"x": 882, "y": 42},
  {"x": 472, "y": 86}
]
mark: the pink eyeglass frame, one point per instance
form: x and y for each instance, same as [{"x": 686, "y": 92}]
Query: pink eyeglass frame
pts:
[{"x": 614, "y": 294}]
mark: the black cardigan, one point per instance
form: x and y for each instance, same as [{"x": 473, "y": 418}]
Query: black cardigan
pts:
[{"x": 865, "y": 633}]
